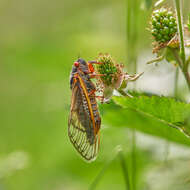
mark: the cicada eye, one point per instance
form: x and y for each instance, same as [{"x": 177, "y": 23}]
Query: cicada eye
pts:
[
  {"x": 91, "y": 68},
  {"x": 76, "y": 64}
]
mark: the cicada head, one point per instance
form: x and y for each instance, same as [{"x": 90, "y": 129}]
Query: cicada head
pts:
[{"x": 81, "y": 66}]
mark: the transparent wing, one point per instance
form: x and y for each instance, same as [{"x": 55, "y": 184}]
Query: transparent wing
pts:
[{"x": 80, "y": 129}]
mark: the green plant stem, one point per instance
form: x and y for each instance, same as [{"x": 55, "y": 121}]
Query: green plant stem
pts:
[
  {"x": 180, "y": 28},
  {"x": 187, "y": 77},
  {"x": 176, "y": 82},
  {"x": 133, "y": 151},
  {"x": 183, "y": 64},
  {"x": 134, "y": 36},
  {"x": 128, "y": 30},
  {"x": 125, "y": 170},
  {"x": 183, "y": 69},
  {"x": 100, "y": 175},
  {"x": 134, "y": 159},
  {"x": 133, "y": 60}
]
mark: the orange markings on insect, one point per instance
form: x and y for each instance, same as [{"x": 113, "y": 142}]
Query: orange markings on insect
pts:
[
  {"x": 91, "y": 92},
  {"x": 91, "y": 68}
]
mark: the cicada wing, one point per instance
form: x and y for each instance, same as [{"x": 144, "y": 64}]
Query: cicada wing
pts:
[{"x": 80, "y": 128}]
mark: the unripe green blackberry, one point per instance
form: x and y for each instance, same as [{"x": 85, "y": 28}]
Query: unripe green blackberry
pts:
[
  {"x": 111, "y": 76},
  {"x": 164, "y": 26},
  {"x": 107, "y": 68}
]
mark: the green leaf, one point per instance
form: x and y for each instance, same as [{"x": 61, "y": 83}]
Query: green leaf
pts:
[{"x": 158, "y": 116}]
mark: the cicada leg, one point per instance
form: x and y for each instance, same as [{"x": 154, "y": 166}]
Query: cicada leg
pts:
[
  {"x": 95, "y": 62},
  {"x": 94, "y": 75},
  {"x": 100, "y": 98},
  {"x": 91, "y": 92}
]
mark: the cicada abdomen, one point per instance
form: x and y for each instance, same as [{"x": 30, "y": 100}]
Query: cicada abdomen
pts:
[{"x": 84, "y": 118}]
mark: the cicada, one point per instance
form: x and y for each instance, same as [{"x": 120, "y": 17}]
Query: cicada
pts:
[{"x": 84, "y": 119}]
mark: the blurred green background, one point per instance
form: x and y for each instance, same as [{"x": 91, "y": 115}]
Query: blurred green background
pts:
[{"x": 39, "y": 41}]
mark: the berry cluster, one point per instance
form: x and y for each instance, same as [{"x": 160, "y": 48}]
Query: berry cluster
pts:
[
  {"x": 107, "y": 68},
  {"x": 164, "y": 26}
]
